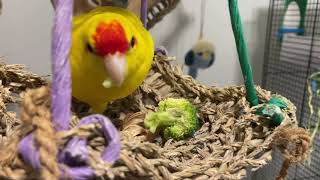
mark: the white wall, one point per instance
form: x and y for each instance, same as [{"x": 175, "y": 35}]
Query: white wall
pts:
[
  {"x": 25, "y": 29},
  {"x": 180, "y": 30}
]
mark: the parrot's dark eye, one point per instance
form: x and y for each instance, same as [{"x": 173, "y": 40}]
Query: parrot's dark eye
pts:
[
  {"x": 133, "y": 42},
  {"x": 89, "y": 48}
]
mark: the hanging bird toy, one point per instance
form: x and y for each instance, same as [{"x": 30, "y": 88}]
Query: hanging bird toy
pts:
[{"x": 202, "y": 54}]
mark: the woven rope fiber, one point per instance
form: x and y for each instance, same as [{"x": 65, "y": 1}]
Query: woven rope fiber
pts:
[
  {"x": 158, "y": 9},
  {"x": 232, "y": 138}
]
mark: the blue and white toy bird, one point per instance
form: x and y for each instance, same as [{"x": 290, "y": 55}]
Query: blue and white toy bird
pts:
[{"x": 201, "y": 56}]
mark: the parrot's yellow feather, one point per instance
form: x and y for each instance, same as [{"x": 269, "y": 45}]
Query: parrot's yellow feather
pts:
[{"x": 87, "y": 69}]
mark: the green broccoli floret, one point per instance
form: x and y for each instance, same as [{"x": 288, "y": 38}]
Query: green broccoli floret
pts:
[{"x": 178, "y": 118}]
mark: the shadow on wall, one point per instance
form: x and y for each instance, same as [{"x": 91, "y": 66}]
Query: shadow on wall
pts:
[
  {"x": 179, "y": 31},
  {"x": 184, "y": 21},
  {"x": 255, "y": 32},
  {"x": 258, "y": 53}
]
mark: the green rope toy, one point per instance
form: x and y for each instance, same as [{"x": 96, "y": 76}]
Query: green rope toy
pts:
[
  {"x": 242, "y": 52},
  {"x": 272, "y": 109}
]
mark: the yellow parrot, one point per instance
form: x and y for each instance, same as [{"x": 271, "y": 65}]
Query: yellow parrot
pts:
[{"x": 110, "y": 57}]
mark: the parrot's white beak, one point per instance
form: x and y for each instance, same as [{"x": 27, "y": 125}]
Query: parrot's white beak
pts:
[{"x": 115, "y": 66}]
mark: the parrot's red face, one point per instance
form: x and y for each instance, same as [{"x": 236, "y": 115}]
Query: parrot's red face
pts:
[
  {"x": 110, "y": 38},
  {"x": 111, "y": 44}
]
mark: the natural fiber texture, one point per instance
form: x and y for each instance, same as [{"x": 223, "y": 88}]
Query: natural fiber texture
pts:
[
  {"x": 294, "y": 144},
  {"x": 18, "y": 78},
  {"x": 36, "y": 113},
  {"x": 232, "y": 138},
  {"x": 35, "y": 116},
  {"x": 14, "y": 79},
  {"x": 159, "y": 9}
]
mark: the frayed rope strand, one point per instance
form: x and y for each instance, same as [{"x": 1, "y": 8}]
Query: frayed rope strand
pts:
[
  {"x": 310, "y": 106},
  {"x": 312, "y": 110}
]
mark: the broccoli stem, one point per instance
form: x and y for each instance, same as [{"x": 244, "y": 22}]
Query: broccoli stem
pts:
[{"x": 161, "y": 119}]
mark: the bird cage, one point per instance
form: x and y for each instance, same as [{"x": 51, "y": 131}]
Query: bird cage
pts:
[{"x": 291, "y": 64}]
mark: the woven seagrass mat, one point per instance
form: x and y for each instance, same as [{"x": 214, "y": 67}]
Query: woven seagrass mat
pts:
[{"x": 231, "y": 138}]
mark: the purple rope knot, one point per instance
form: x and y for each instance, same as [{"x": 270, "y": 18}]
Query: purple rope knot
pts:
[
  {"x": 74, "y": 156},
  {"x": 161, "y": 50},
  {"x": 76, "y": 152}
]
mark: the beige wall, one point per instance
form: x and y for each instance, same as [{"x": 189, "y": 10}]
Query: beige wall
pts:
[{"x": 25, "y": 29}]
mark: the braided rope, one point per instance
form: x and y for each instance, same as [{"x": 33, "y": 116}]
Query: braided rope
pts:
[
  {"x": 242, "y": 52},
  {"x": 36, "y": 112},
  {"x": 44, "y": 158}
]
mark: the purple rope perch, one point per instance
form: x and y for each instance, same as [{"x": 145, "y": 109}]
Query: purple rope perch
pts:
[
  {"x": 29, "y": 152},
  {"x": 144, "y": 12},
  {"x": 61, "y": 44},
  {"x": 75, "y": 155},
  {"x": 61, "y": 86}
]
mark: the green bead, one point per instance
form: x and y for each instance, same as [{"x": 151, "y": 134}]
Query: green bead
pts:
[
  {"x": 277, "y": 118},
  {"x": 278, "y": 102},
  {"x": 272, "y": 111}
]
